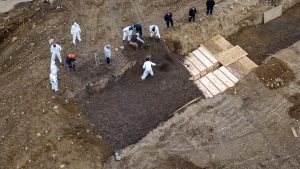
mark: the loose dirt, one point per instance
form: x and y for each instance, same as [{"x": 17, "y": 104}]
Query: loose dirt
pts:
[
  {"x": 294, "y": 111},
  {"x": 274, "y": 74},
  {"x": 265, "y": 39},
  {"x": 248, "y": 129},
  {"x": 41, "y": 129},
  {"x": 129, "y": 108}
]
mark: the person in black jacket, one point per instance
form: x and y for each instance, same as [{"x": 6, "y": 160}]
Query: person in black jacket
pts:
[
  {"x": 210, "y": 6},
  {"x": 192, "y": 14},
  {"x": 168, "y": 18},
  {"x": 138, "y": 28}
]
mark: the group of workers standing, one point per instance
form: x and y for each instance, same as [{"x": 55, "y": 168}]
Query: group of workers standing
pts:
[
  {"x": 55, "y": 50},
  {"x": 133, "y": 34}
]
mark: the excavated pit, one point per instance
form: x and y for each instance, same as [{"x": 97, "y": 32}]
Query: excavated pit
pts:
[
  {"x": 262, "y": 40},
  {"x": 128, "y": 108}
]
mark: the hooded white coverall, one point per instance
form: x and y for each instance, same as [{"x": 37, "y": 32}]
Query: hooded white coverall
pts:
[
  {"x": 53, "y": 68},
  {"x": 155, "y": 32},
  {"x": 148, "y": 69},
  {"x": 75, "y": 31},
  {"x": 127, "y": 32},
  {"x": 53, "y": 81},
  {"x": 55, "y": 51}
]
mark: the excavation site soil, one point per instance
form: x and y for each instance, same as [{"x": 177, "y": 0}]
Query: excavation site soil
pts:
[
  {"x": 262, "y": 40},
  {"x": 99, "y": 108},
  {"x": 129, "y": 108}
]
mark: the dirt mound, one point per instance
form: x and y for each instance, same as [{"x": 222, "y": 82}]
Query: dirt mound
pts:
[
  {"x": 274, "y": 74},
  {"x": 126, "y": 110},
  {"x": 294, "y": 111}
]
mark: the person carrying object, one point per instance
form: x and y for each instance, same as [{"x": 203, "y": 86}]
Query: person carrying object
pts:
[
  {"x": 55, "y": 51},
  {"x": 154, "y": 31},
  {"x": 147, "y": 68}
]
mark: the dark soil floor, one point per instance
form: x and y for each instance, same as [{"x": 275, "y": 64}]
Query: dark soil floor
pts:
[
  {"x": 265, "y": 39},
  {"x": 129, "y": 108}
]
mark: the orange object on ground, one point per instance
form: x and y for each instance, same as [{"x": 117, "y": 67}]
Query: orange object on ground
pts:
[{"x": 72, "y": 56}]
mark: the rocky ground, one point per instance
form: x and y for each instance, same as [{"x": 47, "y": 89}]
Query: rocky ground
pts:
[{"x": 40, "y": 129}]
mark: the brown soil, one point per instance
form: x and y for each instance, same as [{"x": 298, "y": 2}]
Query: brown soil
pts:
[
  {"x": 177, "y": 162},
  {"x": 41, "y": 129},
  {"x": 274, "y": 74},
  {"x": 129, "y": 108},
  {"x": 265, "y": 39},
  {"x": 294, "y": 111}
]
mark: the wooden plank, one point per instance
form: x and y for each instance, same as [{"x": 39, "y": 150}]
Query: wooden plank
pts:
[
  {"x": 294, "y": 131},
  {"x": 192, "y": 69},
  {"x": 209, "y": 56},
  {"x": 232, "y": 55},
  {"x": 272, "y": 13},
  {"x": 248, "y": 63},
  {"x": 202, "y": 68},
  {"x": 209, "y": 86},
  {"x": 204, "y": 90},
  {"x": 203, "y": 59},
  {"x": 223, "y": 78},
  {"x": 217, "y": 82},
  {"x": 217, "y": 44},
  {"x": 229, "y": 74},
  {"x": 221, "y": 41},
  {"x": 238, "y": 69}
]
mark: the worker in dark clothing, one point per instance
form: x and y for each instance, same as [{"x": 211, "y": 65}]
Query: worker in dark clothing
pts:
[
  {"x": 138, "y": 28},
  {"x": 168, "y": 18},
  {"x": 69, "y": 61},
  {"x": 192, "y": 14},
  {"x": 210, "y": 6}
]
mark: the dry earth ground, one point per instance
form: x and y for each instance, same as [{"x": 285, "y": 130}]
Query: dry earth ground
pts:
[
  {"x": 247, "y": 127},
  {"x": 40, "y": 129}
]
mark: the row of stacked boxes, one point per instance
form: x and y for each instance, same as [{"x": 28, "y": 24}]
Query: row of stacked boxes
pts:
[{"x": 217, "y": 65}]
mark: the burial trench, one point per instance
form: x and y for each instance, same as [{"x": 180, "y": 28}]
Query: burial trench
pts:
[
  {"x": 128, "y": 109},
  {"x": 263, "y": 40}
]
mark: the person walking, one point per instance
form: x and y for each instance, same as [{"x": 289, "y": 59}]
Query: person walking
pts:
[
  {"x": 154, "y": 31},
  {"x": 75, "y": 31},
  {"x": 192, "y": 14},
  {"x": 169, "y": 19},
  {"x": 147, "y": 68},
  {"x": 127, "y": 33},
  {"x": 107, "y": 53},
  {"x": 138, "y": 28},
  {"x": 55, "y": 51},
  {"x": 210, "y": 6},
  {"x": 70, "y": 61}
]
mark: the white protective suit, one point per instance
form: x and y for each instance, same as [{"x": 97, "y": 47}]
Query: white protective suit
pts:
[
  {"x": 148, "y": 69},
  {"x": 53, "y": 68},
  {"x": 107, "y": 51},
  {"x": 75, "y": 31},
  {"x": 127, "y": 32},
  {"x": 55, "y": 51},
  {"x": 155, "y": 32},
  {"x": 53, "y": 81}
]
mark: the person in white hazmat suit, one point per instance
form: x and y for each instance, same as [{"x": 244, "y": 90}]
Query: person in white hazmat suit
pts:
[
  {"x": 55, "y": 51},
  {"x": 154, "y": 31},
  {"x": 75, "y": 31},
  {"x": 127, "y": 33},
  {"x": 53, "y": 77},
  {"x": 53, "y": 68},
  {"x": 147, "y": 68}
]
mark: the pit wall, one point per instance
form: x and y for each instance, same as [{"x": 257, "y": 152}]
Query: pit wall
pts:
[{"x": 228, "y": 17}]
